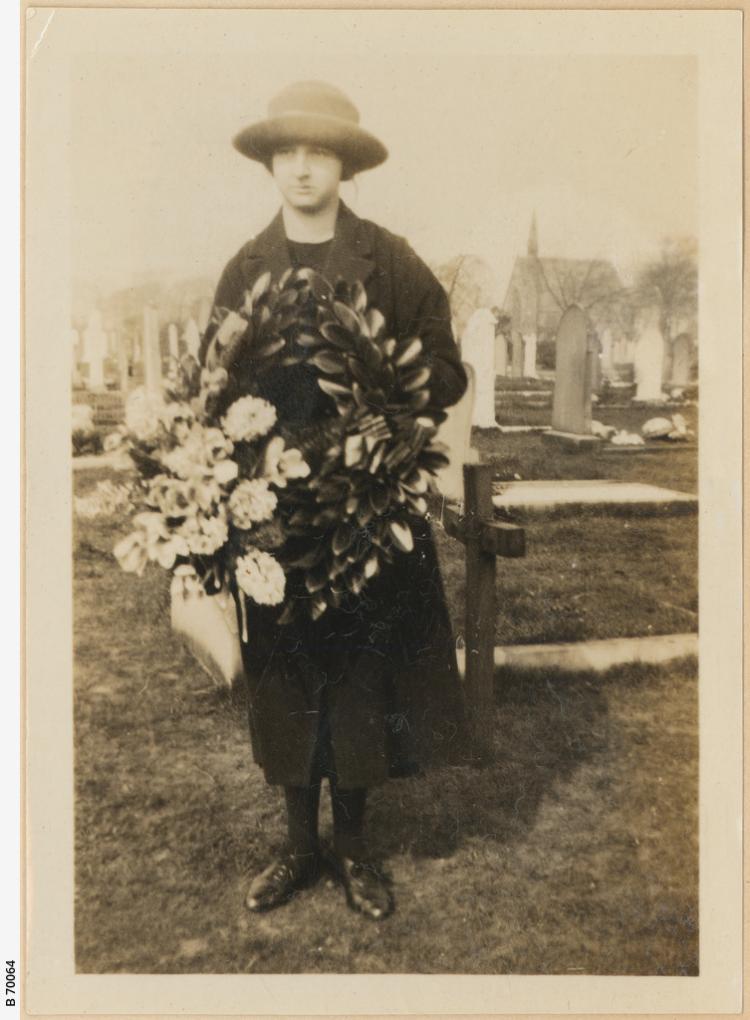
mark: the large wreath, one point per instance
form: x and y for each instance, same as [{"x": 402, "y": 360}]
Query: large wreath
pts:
[{"x": 347, "y": 487}]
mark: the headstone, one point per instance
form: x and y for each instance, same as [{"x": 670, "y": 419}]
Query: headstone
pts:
[
  {"x": 571, "y": 404},
  {"x": 174, "y": 341},
  {"x": 649, "y": 358},
  {"x": 455, "y": 432},
  {"x": 95, "y": 350},
  {"x": 151, "y": 350},
  {"x": 192, "y": 338},
  {"x": 501, "y": 354},
  {"x": 681, "y": 360},
  {"x": 529, "y": 356},
  {"x": 123, "y": 363},
  {"x": 517, "y": 355},
  {"x": 478, "y": 349},
  {"x": 606, "y": 360}
]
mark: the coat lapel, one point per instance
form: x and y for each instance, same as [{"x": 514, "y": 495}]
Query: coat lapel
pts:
[{"x": 348, "y": 258}]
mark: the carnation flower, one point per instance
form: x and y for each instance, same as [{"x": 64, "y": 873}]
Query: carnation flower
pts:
[
  {"x": 251, "y": 502},
  {"x": 248, "y": 418},
  {"x": 280, "y": 464},
  {"x": 143, "y": 414},
  {"x": 261, "y": 578}
]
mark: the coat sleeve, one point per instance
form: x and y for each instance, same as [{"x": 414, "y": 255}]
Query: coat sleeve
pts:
[
  {"x": 423, "y": 310},
  {"x": 228, "y": 295}
]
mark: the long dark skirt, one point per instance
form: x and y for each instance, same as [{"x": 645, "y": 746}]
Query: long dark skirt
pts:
[{"x": 383, "y": 672}]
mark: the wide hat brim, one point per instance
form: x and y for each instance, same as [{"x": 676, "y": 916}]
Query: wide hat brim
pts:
[{"x": 357, "y": 148}]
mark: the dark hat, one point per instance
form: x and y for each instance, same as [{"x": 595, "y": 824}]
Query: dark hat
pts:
[{"x": 316, "y": 113}]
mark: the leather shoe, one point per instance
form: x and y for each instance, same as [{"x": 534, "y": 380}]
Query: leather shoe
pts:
[
  {"x": 281, "y": 880},
  {"x": 367, "y": 889}
]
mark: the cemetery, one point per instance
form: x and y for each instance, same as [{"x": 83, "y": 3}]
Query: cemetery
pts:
[{"x": 567, "y": 534}]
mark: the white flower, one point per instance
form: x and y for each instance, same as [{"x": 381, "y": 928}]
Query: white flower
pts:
[
  {"x": 280, "y": 464},
  {"x": 203, "y": 493},
  {"x": 261, "y": 578},
  {"x": 216, "y": 444},
  {"x": 248, "y": 418},
  {"x": 225, "y": 471},
  {"x": 184, "y": 461},
  {"x": 252, "y": 502},
  {"x": 142, "y": 414},
  {"x": 168, "y": 495},
  {"x": 204, "y": 535},
  {"x": 167, "y": 551},
  {"x": 130, "y": 553}
]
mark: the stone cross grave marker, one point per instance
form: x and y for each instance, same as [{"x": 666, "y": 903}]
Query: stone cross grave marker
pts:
[
  {"x": 681, "y": 359},
  {"x": 484, "y": 539},
  {"x": 649, "y": 358},
  {"x": 151, "y": 350},
  {"x": 571, "y": 405},
  {"x": 478, "y": 349}
]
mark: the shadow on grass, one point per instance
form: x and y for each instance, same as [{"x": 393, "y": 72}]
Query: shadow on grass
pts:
[{"x": 546, "y": 727}]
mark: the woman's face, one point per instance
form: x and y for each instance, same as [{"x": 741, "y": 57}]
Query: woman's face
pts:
[{"x": 308, "y": 176}]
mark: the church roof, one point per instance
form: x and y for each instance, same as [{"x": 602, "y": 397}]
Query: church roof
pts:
[{"x": 544, "y": 287}]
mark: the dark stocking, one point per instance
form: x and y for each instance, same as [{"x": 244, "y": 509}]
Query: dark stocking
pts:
[
  {"x": 302, "y": 818},
  {"x": 348, "y": 820}
]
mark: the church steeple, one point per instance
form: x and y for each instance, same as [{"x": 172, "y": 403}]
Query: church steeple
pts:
[{"x": 533, "y": 247}]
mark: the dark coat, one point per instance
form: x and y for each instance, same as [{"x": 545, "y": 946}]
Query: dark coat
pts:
[{"x": 383, "y": 675}]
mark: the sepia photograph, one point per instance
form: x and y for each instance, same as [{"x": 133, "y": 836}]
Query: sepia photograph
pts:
[{"x": 381, "y": 358}]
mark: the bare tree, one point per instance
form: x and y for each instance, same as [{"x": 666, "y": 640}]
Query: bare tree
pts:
[{"x": 671, "y": 283}]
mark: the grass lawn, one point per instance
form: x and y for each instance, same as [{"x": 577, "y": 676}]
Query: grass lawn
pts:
[
  {"x": 574, "y": 853},
  {"x": 590, "y": 576}
]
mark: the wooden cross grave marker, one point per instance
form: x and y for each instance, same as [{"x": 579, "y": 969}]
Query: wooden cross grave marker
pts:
[{"x": 484, "y": 539}]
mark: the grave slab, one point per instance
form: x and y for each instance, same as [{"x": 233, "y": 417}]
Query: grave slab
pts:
[
  {"x": 570, "y": 440},
  {"x": 592, "y": 655},
  {"x": 604, "y": 496}
]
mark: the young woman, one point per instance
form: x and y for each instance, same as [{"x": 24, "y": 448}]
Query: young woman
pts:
[{"x": 370, "y": 691}]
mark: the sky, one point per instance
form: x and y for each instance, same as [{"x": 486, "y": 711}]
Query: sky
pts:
[{"x": 602, "y": 146}]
